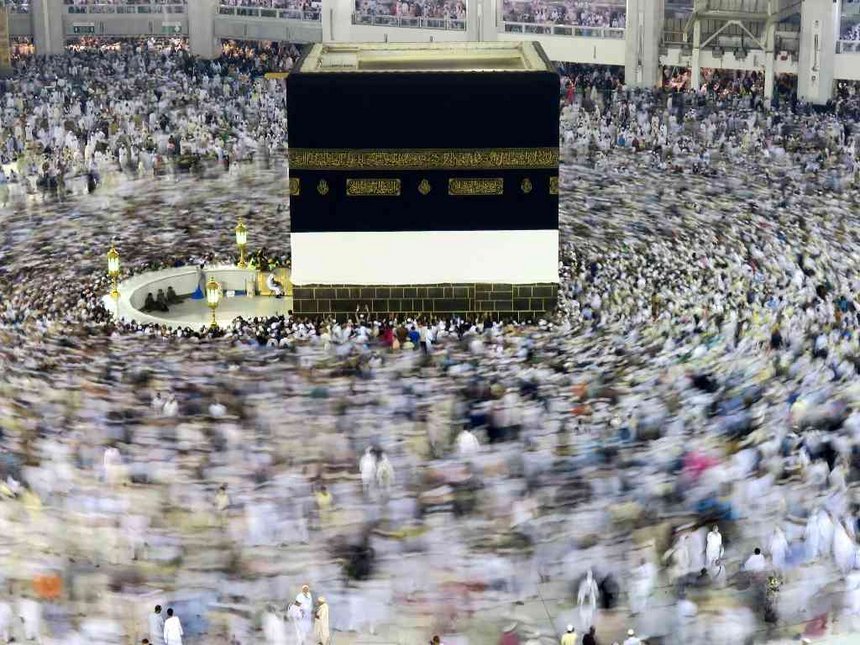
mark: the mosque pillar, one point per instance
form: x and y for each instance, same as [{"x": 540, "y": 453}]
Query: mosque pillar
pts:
[
  {"x": 695, "y": 64},
  {"x": 482, "y": 13},
  {"x": 337, "y": 21},
  {"x": 47, "y": 17},
  {"x": 201, "y": 28},
  {"x": 642, "y": 42},
  {"x": 819, "y": 31},
  {"x": 769, "y": 60}
]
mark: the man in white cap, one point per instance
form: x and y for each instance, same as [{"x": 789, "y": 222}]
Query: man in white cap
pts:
[
  {"x": 569, "y": 637},
  {"x": 322, "y": 633},
  {"x": 305, "y": 599},
  {"x": 632, "y": 639}
]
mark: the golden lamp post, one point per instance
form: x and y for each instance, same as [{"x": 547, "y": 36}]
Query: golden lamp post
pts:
[
  {"x": 113, "y": 271},
  {"x": 213, "y": 298},
  {"x": 241, "y": 241}
]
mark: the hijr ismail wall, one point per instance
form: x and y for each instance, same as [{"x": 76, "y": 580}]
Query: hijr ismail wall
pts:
[{"x": 424, "y": 179}]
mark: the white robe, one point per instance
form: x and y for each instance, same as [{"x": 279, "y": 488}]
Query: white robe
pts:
[
  {"x": 156, "y": 629},
  {"x": 173, "y": 631},
  {"x": 587, "y": 598},
  {"x": 714, "y": 550},
  {"x": 755, "y": 563},
  {"x": 812, "y": 538},
  {"x": 467, "y": 444},
  {"x": 30, "y": 612},
  {"x": 851, "y": 601},
  {"x": 294, "y": 614},
  {"x": 843, "y": 549},
  {"x": 680, "y": 554},
  {"x": 274, "y": 629},
  {"x": 6, "y": 616},
  {"x": 384, "y": 474},
  {"x": 696, "y": 550},
  {"x": 825, "y": 531},
  {"x": 367, "y": 467},
  {"x": 307, "y": 621},
  {"x": 641, "y": 586},
  {"x": 778, "y": 548}
]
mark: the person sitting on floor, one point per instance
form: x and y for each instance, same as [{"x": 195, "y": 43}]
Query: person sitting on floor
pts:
[
  {"x": 149, "y": 303},
  {"x": 172, "y": 298},
  {"x": 161, "y": 301},
  {"x": 273, "y": 285}
]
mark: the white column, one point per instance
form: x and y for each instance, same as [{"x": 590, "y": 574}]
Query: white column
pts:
[
  {"x": 819, "y": 31},
  {"x": 695, "y": 64},
  {"x": 483, "y": 13},
  {"x": 769, "y": 62},
  {"x": 642, "y": 42},
  {"x": 47, "y": 17},
  {"x": 201, "y": 28},
  {"x": 337, "y": 20}
]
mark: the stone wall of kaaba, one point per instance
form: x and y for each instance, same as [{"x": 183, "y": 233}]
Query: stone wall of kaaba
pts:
[
  {"x": 379, "y": 161},
  {"x": 516, "y": 301}
]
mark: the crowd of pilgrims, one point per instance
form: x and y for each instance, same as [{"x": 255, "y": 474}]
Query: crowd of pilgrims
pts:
[
  {"x": 448, "y": 9},
  {"x": 272, "y": 4},
  {"x": 674, "y": 451},
  {"x": 138, "y": 105},
  {"x": 579, "y": 13},
  {"x": 80, "y": 3}
]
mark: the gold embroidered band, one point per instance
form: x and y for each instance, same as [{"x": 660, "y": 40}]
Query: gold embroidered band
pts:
[
  {"x": 424, "y": 159},
  {"x": 553, "y": 185},
  {"x": 372, "y": 187},
  {"x": 464, "y": 186}
]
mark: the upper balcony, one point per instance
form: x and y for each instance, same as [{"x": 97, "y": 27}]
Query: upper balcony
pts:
[
  {"x": 136, "y": 7},
  {"x": 280, "y": 20},
  {"x": 311, "y": 14}
]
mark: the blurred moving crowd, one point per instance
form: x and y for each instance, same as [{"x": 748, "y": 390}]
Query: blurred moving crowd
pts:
[
  {"x": 139, "y": 105},
  {"x": 671, "y": 457}
]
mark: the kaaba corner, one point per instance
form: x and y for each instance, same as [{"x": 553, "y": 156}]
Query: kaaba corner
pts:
[{"x": 424, "y": 179}]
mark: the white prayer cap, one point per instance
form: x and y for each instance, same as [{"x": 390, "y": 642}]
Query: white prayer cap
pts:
[
  {"x": 630, "y": 632},
  {"x": 570, "y": 628}
]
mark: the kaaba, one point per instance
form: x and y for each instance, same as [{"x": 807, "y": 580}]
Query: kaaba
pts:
[{"x": 423, "y": 179}]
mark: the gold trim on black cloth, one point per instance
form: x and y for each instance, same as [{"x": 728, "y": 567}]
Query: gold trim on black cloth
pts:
[
  {"x": 467, "y": 186},
  {"x": 553, "y": 185},
  {"x": 295, "y": 186},
  {"x": 424, "y": 159},
  {"x": 322, "y": 187},
  {"x": 373, "y": 187},
  {"x": 526, "y": 186}
]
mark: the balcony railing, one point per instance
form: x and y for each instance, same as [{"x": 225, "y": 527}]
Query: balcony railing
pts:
[
  {"x": 152, "y": 8},
  {"x": 267, "y": 12},
  {"x": 408, "y": 22},
  {"x": 549, "y": 29},
  {"x": 847, "y": 46}
]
